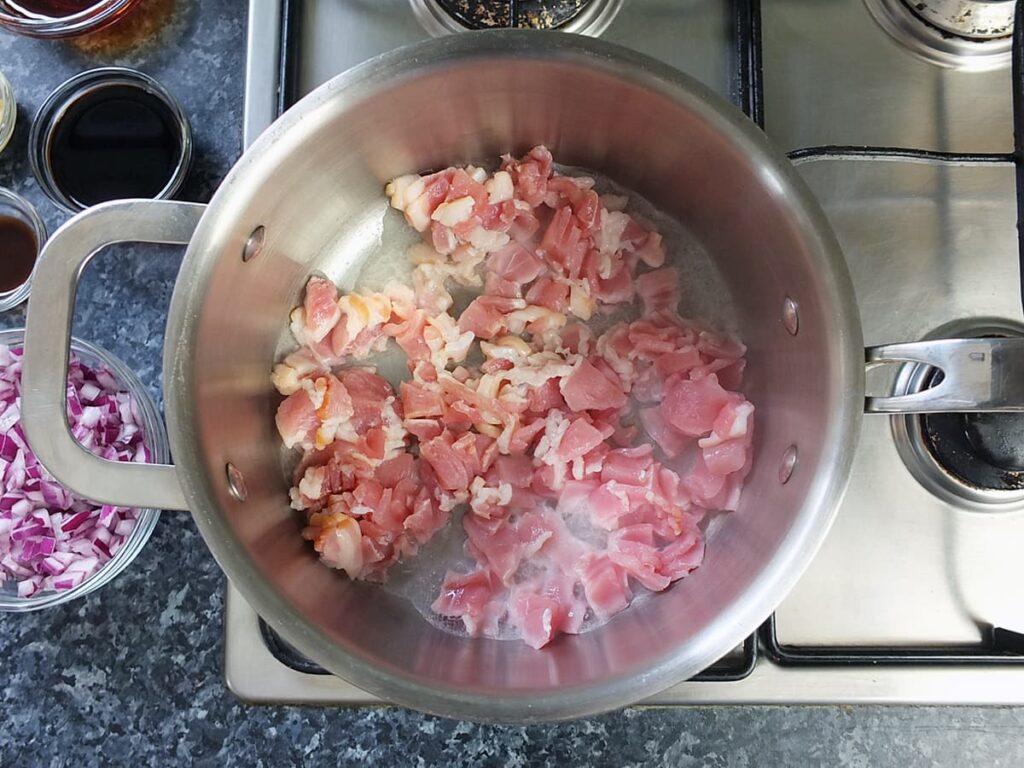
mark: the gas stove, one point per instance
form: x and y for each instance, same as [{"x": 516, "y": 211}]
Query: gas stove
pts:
[{"x": 900, "y": 116}]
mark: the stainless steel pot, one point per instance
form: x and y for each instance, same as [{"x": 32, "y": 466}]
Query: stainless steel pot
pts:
[{"x": 307, "y": 196}]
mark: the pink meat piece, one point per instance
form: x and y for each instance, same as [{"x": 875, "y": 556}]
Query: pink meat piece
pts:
[
  {"x": 393, "y": 471},
  {"x": 501, "y": 544},
  {"x": 677, "y": 361},
  {"x": 607, "y": 504},
  {"x": 473, "y": 597},
  {"x": 633, "y": 549},
  {"x": 548, "y": 293},
  {"x": 524, "y": 436},
  {"x": 629, "y": 466},
  {"x": 652, "y": 250},
  {"x": 514, "y": 470},
  {"x": 321, "y": 308},
  {"x": 514, "y": 264},
  {"x": 726, "y": 457},
  {"x": 659, "y": 290},
  {"x": 448, "y": 464},
  {"x": 296, "y": 419},
  {"x": 538, "y": 617},
  {"x": 370, "y": 394},
  {"x": 703, "y": 485},
  {"x": 572, "y": 610},
  {"x": 587, "y": 387},
  {"x": 564, "y": 243},
  {"x": 682, "y": 555},
  {"x": 605, "y": 584},
  {"x": 579, "y": 439},
  {"x": 530, "y": 174},
  {"x": 692, "y": 406},
  {"x": 546, "y": 397},
  {"x": 408, "y": 334},
  {"x": 423, "y": 429},
  {"x": 485, "y": 315},
  {"x": 426, "y": 519},
  {"x": 420, "y": 400},
  {"x": 670, "y": 440},
  {"x": 617, "y": 288}
]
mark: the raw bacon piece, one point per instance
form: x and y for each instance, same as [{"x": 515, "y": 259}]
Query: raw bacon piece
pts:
[
  {"x": 605, "y": 584},
  {"x": 692, "y": 406},
  {"x": 472, "y": 598},
  {"x": 668, "y": 439},
  {"x": 579, "y": 439},
  {"x": 370, "y": 395},
  {"x": 538, "y": 617},
  {"x": 321, "y": 308},
  {"x": 629, "y": 466},
  {"x": 485, "y": 316},
  {"x": 682, "y": 555},
  {"x": 297, "y": 420},
  {"x": 633, "y": 549},
  {"x": 587, "y": 387},
  {"x": 448, "y": 464},
  {"x": 659, "y": 290},
  {"x": 502, "y": 543}
]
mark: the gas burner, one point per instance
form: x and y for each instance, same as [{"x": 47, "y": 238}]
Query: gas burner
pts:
[
  {"x": 590, "y": 17},
  {"x": 973, "y": 35},
  {"x": 973, "y": 460}
]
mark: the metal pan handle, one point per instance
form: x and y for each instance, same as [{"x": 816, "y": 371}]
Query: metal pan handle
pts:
[
  {"x": 978, "y": 375},
  {"x": 47, "y": 339}
]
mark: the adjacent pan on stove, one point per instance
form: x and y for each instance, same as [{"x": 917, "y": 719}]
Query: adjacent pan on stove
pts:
[{"x": 307, "y": 197}]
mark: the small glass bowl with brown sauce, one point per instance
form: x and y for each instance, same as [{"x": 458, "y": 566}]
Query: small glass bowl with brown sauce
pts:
[
  {"x": 61, "y": 18},
  {"x": 22, "y": 234},
  {"x": 110, "y": 134}
]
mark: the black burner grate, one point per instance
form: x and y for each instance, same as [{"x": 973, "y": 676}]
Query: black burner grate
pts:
[{"x": 499, "y": 14}]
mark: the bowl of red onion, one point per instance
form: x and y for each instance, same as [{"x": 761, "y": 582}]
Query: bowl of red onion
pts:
[{"x": 54, "y": 545}]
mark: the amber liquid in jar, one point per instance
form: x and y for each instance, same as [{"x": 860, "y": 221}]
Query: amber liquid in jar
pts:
[
  {"x": 53, "y": 8},
  {"x": 18, "y": 250}
]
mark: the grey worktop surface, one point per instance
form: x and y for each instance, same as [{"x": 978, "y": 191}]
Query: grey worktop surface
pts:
[{"x": 133, "y": 674}]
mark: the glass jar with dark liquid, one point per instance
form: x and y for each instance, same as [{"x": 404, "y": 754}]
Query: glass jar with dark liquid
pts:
[
  {"x": 22, "y": 235},
  {"x": 110, "y": 134}
]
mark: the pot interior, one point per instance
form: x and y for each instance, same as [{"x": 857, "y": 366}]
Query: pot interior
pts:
[{"x": 314, "y": 183}]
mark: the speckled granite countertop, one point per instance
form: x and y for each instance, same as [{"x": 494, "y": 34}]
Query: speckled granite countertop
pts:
[{"x": 132, "y": 675}]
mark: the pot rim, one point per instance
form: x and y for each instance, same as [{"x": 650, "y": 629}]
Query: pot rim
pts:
[{"x": 738, "y": 620}]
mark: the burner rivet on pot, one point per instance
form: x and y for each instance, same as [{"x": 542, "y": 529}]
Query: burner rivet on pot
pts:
[
  {"x": 236, "y": 483},
  {"x": 791, "y": 316},
  {"x": 787, "y": 465},
  {"x": 254, "y": 244}
]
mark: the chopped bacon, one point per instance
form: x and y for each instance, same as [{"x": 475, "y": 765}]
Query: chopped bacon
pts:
[
  {"x": 470, "y": 597},
  {"x": 581, "y": 464},
  {"x": 605, "y": 584},
  {"x": 659, "y": 290},
  {"x": 692, "y": 406},
  {"x": 587, "y": 387}
]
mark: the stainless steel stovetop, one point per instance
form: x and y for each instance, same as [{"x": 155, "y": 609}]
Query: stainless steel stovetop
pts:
[{"x": 910, "y": 598}]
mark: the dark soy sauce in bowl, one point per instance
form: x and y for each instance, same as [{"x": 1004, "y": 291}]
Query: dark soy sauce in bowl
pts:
[{"x": 114, "y": 141}]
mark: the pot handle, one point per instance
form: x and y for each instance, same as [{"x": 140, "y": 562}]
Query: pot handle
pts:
[
  {"x": 47, "y": 339},
  {"x": 978, "y": 375}
]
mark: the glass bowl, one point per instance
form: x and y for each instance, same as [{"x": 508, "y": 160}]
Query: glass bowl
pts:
[
  {"x": 155, "y": 439},
  {"x": 14, "y": 205},
  {"x": 54, "y": 108},
  {"x": 97, "y": 16}
]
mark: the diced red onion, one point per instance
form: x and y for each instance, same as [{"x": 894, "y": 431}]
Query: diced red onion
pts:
[{"x": 49, "y": 538}]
